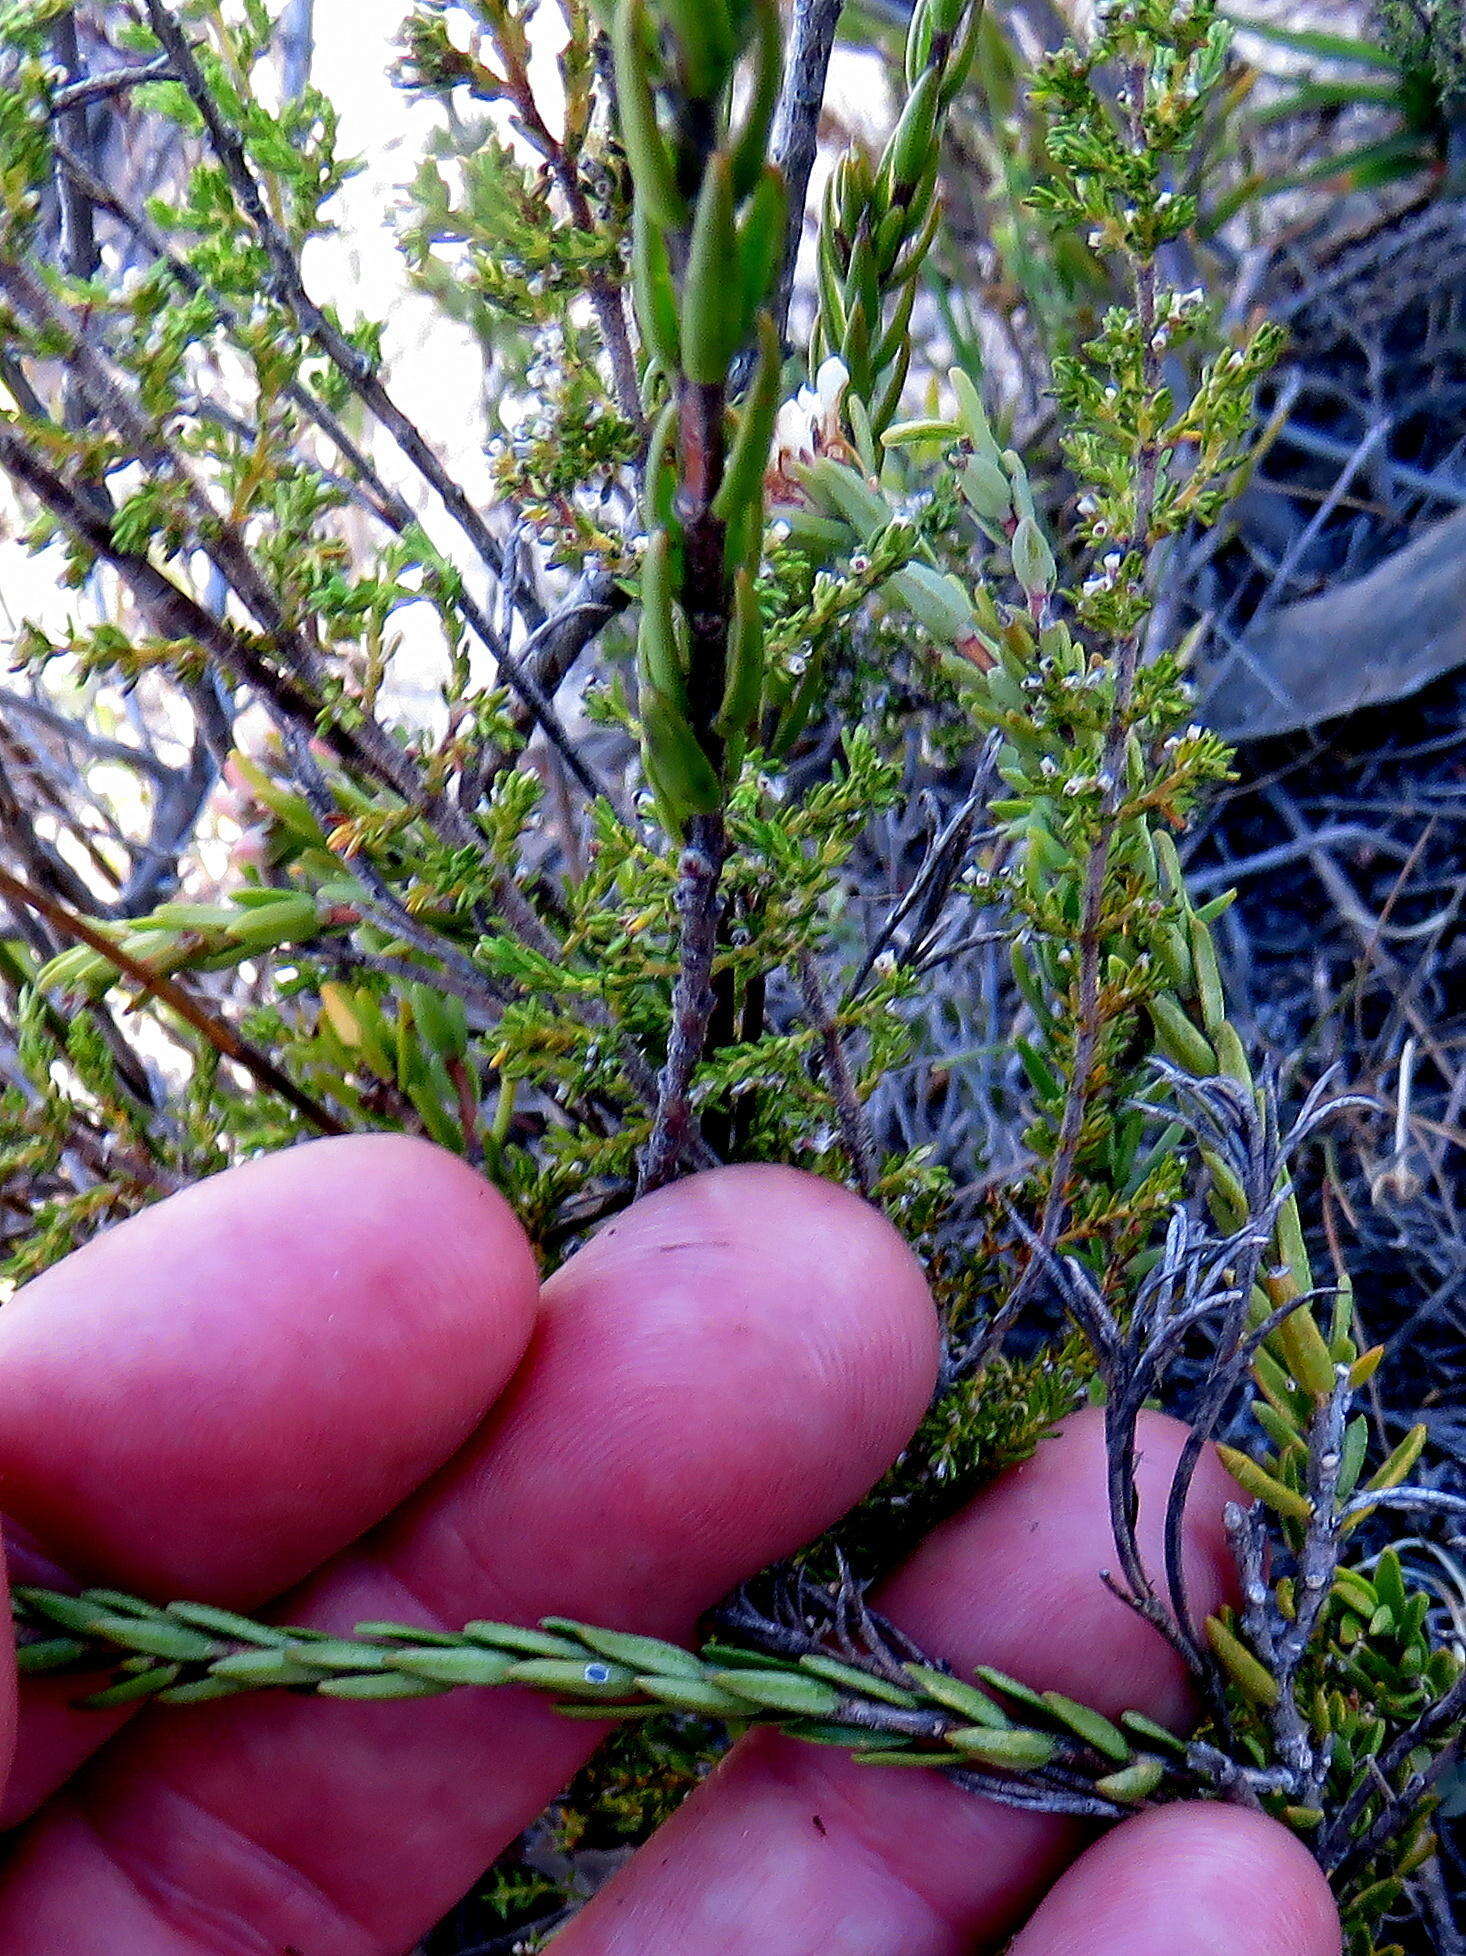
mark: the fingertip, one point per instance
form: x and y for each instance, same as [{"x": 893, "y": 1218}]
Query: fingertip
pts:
[
  {"x": 1189, "y": 1880},
  {"x": 1047, "y": 1526},
  {"x": 446, "y": 1238},
  {"x": 772, "y": 1216},
  {"x": 792, "y": 1256},
  {"x": 7, "y": 1680},
  {"x": 768, "y": 1344},
  {"x": 291, "y": 1345},
  {"x": 797, "y": 1248}
]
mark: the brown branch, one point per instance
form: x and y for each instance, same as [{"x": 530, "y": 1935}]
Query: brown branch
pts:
[
  {"x": 607, "y": 295},
  {"x": 675, "y": 1134},
  {"x": 217, "y": 537},
  {"x": 796, "y": 126},
  {"x": 549, "y": 654},
  {"x": 855, "y": 1130},
  {"x": 81, "y": 94},
  {"x": 357, "y": 369},
  {"x": 704, "y": 599},
  {"x": 702, "y": 441},
  {"x": 568, "y": 631},
  {"x": 374, "y": 492},
  {"x": 173, "y": 613},
  {"x": 79, "y": 257}
]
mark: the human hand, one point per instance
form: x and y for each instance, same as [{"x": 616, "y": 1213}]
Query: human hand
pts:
[{"x": 329, "y": 1377}]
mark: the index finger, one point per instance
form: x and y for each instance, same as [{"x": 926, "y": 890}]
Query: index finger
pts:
[
  {"x": 211, "y": 1398},
  {"x": 721, "y": 1373}
]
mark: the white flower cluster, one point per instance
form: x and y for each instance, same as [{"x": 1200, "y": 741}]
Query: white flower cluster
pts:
[
  {"x": 1107, "y": 576},
  {"x": 809, "y": 425}
]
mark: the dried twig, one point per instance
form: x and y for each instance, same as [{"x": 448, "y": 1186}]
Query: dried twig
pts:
[
  {"x": 174, "y": 613},
  {"x": 85, "y": 93},
  {"x": 355, "y": 366},
  {"x": 796, "y": 125},
  {"x": 855, "y": 1128},
  {"x": 675, "y": 1127}
]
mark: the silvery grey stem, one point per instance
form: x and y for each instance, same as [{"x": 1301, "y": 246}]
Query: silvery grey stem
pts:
[{"x": 796, "y": 125}]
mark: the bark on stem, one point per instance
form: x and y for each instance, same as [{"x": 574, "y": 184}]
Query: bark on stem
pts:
[
  {"x": 676, "y": 1134},
  {"x": 675, "y": 1130}
]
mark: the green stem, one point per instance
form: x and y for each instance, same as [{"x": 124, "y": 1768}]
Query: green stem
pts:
[{"x": 999, "y": 1737}]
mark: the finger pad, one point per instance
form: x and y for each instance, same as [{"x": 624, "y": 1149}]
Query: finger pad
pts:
[
  {"x": 781, "y": 1348},
  {"x": 1189, "y": 1881},
  {"x": 229, "y": 1386},
  {"x": 1015, "y": 1581}
]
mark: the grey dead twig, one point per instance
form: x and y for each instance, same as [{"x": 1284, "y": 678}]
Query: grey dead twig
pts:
[{"x": 796, "y": 125}]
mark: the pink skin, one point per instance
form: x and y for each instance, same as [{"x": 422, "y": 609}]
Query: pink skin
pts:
[{"x": 329, "y": 1374}]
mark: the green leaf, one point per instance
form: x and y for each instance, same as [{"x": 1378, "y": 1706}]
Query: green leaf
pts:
[
  {"x": 1091, "y": 1726},
  {"x": 1306, "y": 40},
  {"x": 782, "y": 1691}
]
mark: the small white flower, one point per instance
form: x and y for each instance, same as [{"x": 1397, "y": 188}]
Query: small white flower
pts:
[
  {"x": 810, "y": 422},
  {"x": 792, "y": 432},
  {"x": 830, "y": 384}
]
